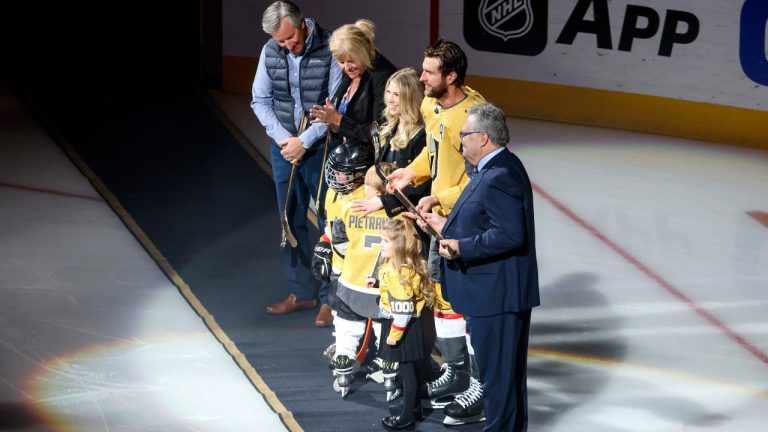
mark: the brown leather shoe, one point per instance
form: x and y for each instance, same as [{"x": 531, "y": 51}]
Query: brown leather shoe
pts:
[
  {"x": 290, "y": 304},
  {"x": 324, "y": 317}
]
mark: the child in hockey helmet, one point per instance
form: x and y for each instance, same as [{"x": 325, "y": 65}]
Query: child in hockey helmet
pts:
[{"x": 346, "y": 166}]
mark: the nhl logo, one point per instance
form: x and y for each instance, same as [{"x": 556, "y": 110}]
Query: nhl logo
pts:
[
  {"x": 506, "y": 26},
  {"x": 506, "y": 19}
]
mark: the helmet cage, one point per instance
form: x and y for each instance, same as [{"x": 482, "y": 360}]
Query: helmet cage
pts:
[{"x": 343, "y": 180}]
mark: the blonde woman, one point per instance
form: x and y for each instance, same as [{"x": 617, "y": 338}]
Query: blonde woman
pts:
[
  {"x": 359, "y": 100},
  {"x": 403, "y": 137}
]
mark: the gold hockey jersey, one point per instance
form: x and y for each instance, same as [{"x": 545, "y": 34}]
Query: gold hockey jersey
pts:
[
  {"x": 334, "y": 202},
  {"x": 441, "y": 158},
  {"x": 400, "y": 297},
  {"x": 363, "y": 234}
]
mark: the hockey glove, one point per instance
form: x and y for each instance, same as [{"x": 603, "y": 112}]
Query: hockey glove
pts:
[{"x": 321, "y": 259}]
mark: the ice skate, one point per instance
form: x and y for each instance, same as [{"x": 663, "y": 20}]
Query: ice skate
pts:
[
  {"x": 343, "y": 368},
  {"x": 390, "y": 380},
  {"x": 453, "y": 380},
  {"x": 375, "y": 370},
  {"x": 467, "y": 408}
]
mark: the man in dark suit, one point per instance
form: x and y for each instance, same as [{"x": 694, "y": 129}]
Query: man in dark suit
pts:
[{"x": 489, "y": 265}]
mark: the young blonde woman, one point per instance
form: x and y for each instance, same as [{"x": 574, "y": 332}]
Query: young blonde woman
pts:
[{"x": 403, "y": 138}]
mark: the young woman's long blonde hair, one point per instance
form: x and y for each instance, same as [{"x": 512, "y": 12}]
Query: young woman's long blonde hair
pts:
[
  {"x": 406, "y": 251},
  {"x": 411, "y": 94}
]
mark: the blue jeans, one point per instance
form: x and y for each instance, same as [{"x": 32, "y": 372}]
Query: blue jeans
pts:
[{"x": 305, "y": 184}]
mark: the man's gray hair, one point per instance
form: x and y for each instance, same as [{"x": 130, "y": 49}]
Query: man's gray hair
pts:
[
  {"x": 275, "y": 13},
  {"x": 491, "y": 120}
]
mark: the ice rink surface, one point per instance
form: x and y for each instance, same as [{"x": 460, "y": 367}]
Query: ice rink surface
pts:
[
  {"x": 93, "y": 335},
  {"x": 653, "y": 260},
  {"x": 654, "y": 267}
]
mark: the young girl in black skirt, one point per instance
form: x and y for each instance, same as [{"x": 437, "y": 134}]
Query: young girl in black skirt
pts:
[{"x": 406, "y": 290}]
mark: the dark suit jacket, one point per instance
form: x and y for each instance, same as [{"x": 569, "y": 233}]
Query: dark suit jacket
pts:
[
  {"x": 493, "y": 221},
  {"x": 367, "y": 104}
]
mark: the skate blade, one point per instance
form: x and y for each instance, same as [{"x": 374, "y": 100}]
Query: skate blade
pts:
[
  {"x": 377, "y": 376},
  {"x": 330, "y": 351},
  {"x": 452, "y": 421},
  {"x": 392, "y": 395},
  {"x": 344, "y": 392},
  {"x": 440, "y": 402}
]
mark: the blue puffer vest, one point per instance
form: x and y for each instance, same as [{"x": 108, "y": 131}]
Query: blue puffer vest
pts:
[{"x": 313, "y": 77}]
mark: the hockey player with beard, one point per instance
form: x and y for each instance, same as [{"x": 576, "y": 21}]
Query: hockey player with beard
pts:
[{"x": 444, "y": 110}]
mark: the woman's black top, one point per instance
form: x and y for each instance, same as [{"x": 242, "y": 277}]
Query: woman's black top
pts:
[
  {"x": 367, "y": 104},
  {"x": 402, "y": 158}
]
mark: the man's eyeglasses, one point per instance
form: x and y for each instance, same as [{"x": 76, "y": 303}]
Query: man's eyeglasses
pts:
[{"x": 463, "y": 134}]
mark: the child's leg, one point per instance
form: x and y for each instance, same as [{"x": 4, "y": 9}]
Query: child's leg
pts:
[
  {"x": 406, "y": 417},
  {"x": 377, "y": 333},
  {"x": 410, "y": 390},
  {"x": 348, "y": 334}
]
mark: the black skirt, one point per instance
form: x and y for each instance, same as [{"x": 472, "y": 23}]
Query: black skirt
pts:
[{"x": 417, "y": 341}]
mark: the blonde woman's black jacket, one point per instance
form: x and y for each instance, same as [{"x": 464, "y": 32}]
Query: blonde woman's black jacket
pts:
[{"x": 367, "y": 104}]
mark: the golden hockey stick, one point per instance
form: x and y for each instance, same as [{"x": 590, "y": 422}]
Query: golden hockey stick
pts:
[{"x": 287, "y": 235}]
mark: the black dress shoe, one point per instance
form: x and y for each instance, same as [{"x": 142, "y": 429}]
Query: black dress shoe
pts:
[{"x": 397, "y": 423}]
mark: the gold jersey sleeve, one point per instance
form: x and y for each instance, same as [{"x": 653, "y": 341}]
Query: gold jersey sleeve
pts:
[{"x": 441, "y": 160}]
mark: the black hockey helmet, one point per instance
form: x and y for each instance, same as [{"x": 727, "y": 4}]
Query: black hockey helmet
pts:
[{"x": 346, "y": 166}]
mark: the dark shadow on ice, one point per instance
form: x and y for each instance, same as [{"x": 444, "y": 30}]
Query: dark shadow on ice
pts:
[{"x": 575, "y": 319}]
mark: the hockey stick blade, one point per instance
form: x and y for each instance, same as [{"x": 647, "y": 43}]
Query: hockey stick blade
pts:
[{"x": 287, "y": 236}]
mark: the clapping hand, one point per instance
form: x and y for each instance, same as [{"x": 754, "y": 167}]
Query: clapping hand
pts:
[{"x": 326, "y": 114}]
